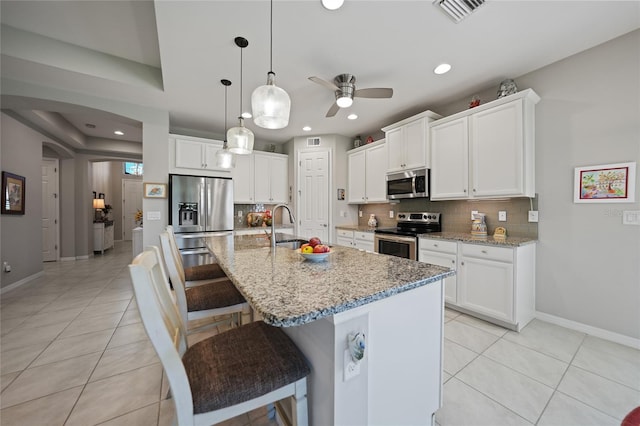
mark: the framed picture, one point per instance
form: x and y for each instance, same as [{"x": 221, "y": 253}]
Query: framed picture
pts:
[
  {"x": 608, "y": 183},
  {"x": 155, "y": 190},
  {"x": 12, "y": 193}
]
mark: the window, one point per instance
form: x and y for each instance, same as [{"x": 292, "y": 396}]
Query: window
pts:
[{"x": 133, "y": 169}]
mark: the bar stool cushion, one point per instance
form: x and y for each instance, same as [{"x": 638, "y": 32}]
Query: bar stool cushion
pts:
[
  {"x": 241, "y": 364},
  {"x": 203, "y": 272},
  {"x": 212, "y": 296}
]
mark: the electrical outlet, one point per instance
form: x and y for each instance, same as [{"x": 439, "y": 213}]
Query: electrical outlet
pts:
[
  {"x": 502, "y": 216},
  {"x": 239, "y": 213},
  {"x": 533, "y": 216},
  {"x": 359, "y": 213},
  {"x": 391, "y": 214},
  {"x": 631, "y": 217},
  {"x": 351, "y": 368},
  {"x": 473, "y": 212}
]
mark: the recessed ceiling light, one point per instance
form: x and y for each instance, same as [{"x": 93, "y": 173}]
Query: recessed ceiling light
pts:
[
  {"x": 442, "y": 68},
  {"x": 352, "y": 116},
  {"x": 332, "y": 4},
  {"x": 246, "y": 114},
  {"x": 119, "y": 132},
  {"x": 306, "y": 128}
]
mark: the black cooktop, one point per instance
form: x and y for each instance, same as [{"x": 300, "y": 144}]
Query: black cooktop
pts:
[{"x": 412, "y": 224}]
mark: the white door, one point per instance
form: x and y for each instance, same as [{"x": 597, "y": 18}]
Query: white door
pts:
[
  {"x": 313, "y": 195},
  {"x": 49, "y": 210},
  {"x": 131, "y": 202}
]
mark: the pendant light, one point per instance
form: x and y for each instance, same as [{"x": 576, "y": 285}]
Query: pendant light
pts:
[
  {"x": 270, "y": 104},
  {"x": 224, "y": 158},
  {"x": 239, "y": 138}
]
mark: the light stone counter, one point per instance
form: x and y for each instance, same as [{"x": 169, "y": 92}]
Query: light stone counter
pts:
[
  {"x": 359, "y": 228},
  {"x": 288, "y": 290},
  {"x": 488, "y": 240}
]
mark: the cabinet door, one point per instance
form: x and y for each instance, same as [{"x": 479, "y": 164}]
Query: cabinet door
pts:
[
  {"x": 279, "y": 180},
  {"x": 210, "y": 151},
  {"x": 449, "y": 160},
  {"x": 496, "y": 143},
  {"x": 344, "y": 241},
  {"x": 486, "y": 287},
  {"x": 375, "y": 174},
  {"x": 261, "y": 179},
  {"x": 243, "y": 179},
  {"x": 445, "y": 260},
  {"x": 189, "y": 154},
  {"x": 356, "y": 189},
  {"x": 415, "y": 139},
  {"x": 395, "y": 149}
]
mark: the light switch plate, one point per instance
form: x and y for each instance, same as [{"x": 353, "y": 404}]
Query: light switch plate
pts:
[
  {"x": 631, "y": 217},
  {"x": 391, "y": 214},
  {"x": 153, "y": 216},
  {"x": 359, "y": 213},
  {"x": 502, "y": 216},
  {"x": 533, "y": 216},
  {"x": 473, "y": 212}
]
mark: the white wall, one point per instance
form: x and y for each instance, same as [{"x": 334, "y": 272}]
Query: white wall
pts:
[{"x": 588, "y": 263}]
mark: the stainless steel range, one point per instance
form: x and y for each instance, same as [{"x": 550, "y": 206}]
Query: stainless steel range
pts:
[{"x": 402, "y": 241}]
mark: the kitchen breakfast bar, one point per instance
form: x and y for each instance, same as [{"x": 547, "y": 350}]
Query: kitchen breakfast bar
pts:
[{"x": 397, "y": 304}]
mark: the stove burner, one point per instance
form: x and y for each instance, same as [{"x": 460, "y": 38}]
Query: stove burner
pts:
[{"x": 412, "y": 224}]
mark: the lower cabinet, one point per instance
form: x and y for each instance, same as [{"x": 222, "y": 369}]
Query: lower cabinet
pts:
[
  {"x": 102, "y": 236},
  {"x": 356, "y": 239},
  {"x": 496, "y": 284}
]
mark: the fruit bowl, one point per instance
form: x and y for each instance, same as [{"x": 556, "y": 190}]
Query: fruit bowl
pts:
[{"x": 315, "y": 257}]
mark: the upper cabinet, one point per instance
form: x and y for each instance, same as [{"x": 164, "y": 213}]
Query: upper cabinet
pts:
[
  {"x": 487, "y": 151},
  {"x": 270, "y": 180},
  {"x": 243, "y": 173},
  {"x": 366, "y": 170},
  {"x": 408, "y": 142},
  {"x": 191, "y": 155}
]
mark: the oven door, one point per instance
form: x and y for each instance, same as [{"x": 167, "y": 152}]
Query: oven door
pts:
[{"x": 396, "y": 245}]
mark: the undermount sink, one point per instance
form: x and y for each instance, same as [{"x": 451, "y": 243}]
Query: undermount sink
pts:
[{"x": 292, "y": 244}]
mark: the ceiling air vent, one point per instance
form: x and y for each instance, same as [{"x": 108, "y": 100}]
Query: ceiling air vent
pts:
[
  {"x": 313, "y": 141},
  {"x": 458, "y": 9}
]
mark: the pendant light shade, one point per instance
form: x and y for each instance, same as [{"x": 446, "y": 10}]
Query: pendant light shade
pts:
[
  {"x": 270, "y": 104},
  {"x": 224, "y": 158},
  {"x": 239, "y": 138}
]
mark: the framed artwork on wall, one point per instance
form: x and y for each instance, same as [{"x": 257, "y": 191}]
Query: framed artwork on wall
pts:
[
  {"x": 155, "y": 190},
  {"x": 13, "y": 190},
  {"x": 607, "y": 183}
]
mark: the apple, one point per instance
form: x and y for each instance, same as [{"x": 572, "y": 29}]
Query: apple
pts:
[
  {"x": 314, "y": 241},
  {"x": 321, "y": 248}
]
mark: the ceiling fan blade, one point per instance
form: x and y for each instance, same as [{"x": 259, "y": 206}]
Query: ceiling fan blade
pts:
[
  {"x": 333, "y": 110},
  {"x": 377, "y": 92},
  {"x": 324, "y": 83}
]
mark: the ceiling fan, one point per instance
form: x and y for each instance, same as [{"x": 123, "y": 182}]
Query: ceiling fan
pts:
[{"x": 344, "y": 86}]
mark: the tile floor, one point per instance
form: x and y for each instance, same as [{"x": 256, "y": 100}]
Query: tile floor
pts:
[{"x": 73, "y": 352}]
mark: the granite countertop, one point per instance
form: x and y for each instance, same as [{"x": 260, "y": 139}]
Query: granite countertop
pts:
[
  {"x": 488, "y": 240},
  {"x": 287, "y": 290},
  {"x": 359, "y": 228}
]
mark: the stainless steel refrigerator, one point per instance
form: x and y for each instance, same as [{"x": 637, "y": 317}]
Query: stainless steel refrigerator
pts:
[{"x": 199, "y": 206}]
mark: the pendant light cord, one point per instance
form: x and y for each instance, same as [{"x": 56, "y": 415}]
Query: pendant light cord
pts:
[
  {"x": 225, "y": 116},
  {"x": 241, "y": 49},
  {"x": 271, "y": 39}
]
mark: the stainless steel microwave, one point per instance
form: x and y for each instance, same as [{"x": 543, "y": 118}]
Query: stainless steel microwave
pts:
[{"x": 408, "y": 184}]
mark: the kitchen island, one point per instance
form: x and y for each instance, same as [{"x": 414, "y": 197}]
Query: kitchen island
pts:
[{"x": 396, "y": 303}]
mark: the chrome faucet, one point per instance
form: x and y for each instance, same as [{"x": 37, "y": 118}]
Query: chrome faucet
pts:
[{"x": 273, "y": 222}]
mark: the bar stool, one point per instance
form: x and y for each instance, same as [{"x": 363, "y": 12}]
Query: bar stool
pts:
[{"x": 209, "y": 271}]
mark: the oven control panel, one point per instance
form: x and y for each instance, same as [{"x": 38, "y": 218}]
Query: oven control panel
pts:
[{"x": 420, "y": 217}]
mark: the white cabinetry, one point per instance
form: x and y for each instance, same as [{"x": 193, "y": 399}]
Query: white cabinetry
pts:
[
  {"x": 407, "y": 142},
  {"x": 270, "y": 178},
  {"x": 441, "y": 253},
  {"x": 487, "y": 151},
  {"x": 494, "y": 283},
  {"x": 191, "y": 154},
  {"x": 260, "y": 178},
  {"x": 102, "y": 236},
  {"x": 366, "y": 174},
  {"x": 356, "y": 239}
]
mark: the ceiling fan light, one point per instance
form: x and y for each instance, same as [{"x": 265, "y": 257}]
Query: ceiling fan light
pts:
[
  {"x": 344, "y": 101},
  {"x": 271, "y": 105},
  {"x": 240, "y": 139},
  {"x": 332, "y": 4}
]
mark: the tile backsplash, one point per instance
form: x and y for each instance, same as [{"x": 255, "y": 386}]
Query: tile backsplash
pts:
[
  {"x": 240, "y": 213},
  {"x": 456, "y": 215}
]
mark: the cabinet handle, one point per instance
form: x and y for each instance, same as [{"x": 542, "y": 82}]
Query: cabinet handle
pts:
[
  {"x": 462, "y": 263},
  {"x": 474, "y": 190},
  {"x": 453, "y": 261},
  {"x": 484, "y": 251},
  {"x": 464, "y": 190},
  {"x": 435, "y": 245}
]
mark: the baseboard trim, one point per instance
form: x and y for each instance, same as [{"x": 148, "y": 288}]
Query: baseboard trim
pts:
[
  {"x": 21, "y": 282},
  {"x": 68, "y": 259},
  {"x": 593, "y": 331}
]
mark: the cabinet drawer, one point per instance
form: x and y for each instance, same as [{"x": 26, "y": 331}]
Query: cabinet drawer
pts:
[
  {"x": 366, "y": 236},
  {"x": 439, "y": 245},
  {"x": 499, "y": 254},
  {"x": 344, "y": 233}
]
